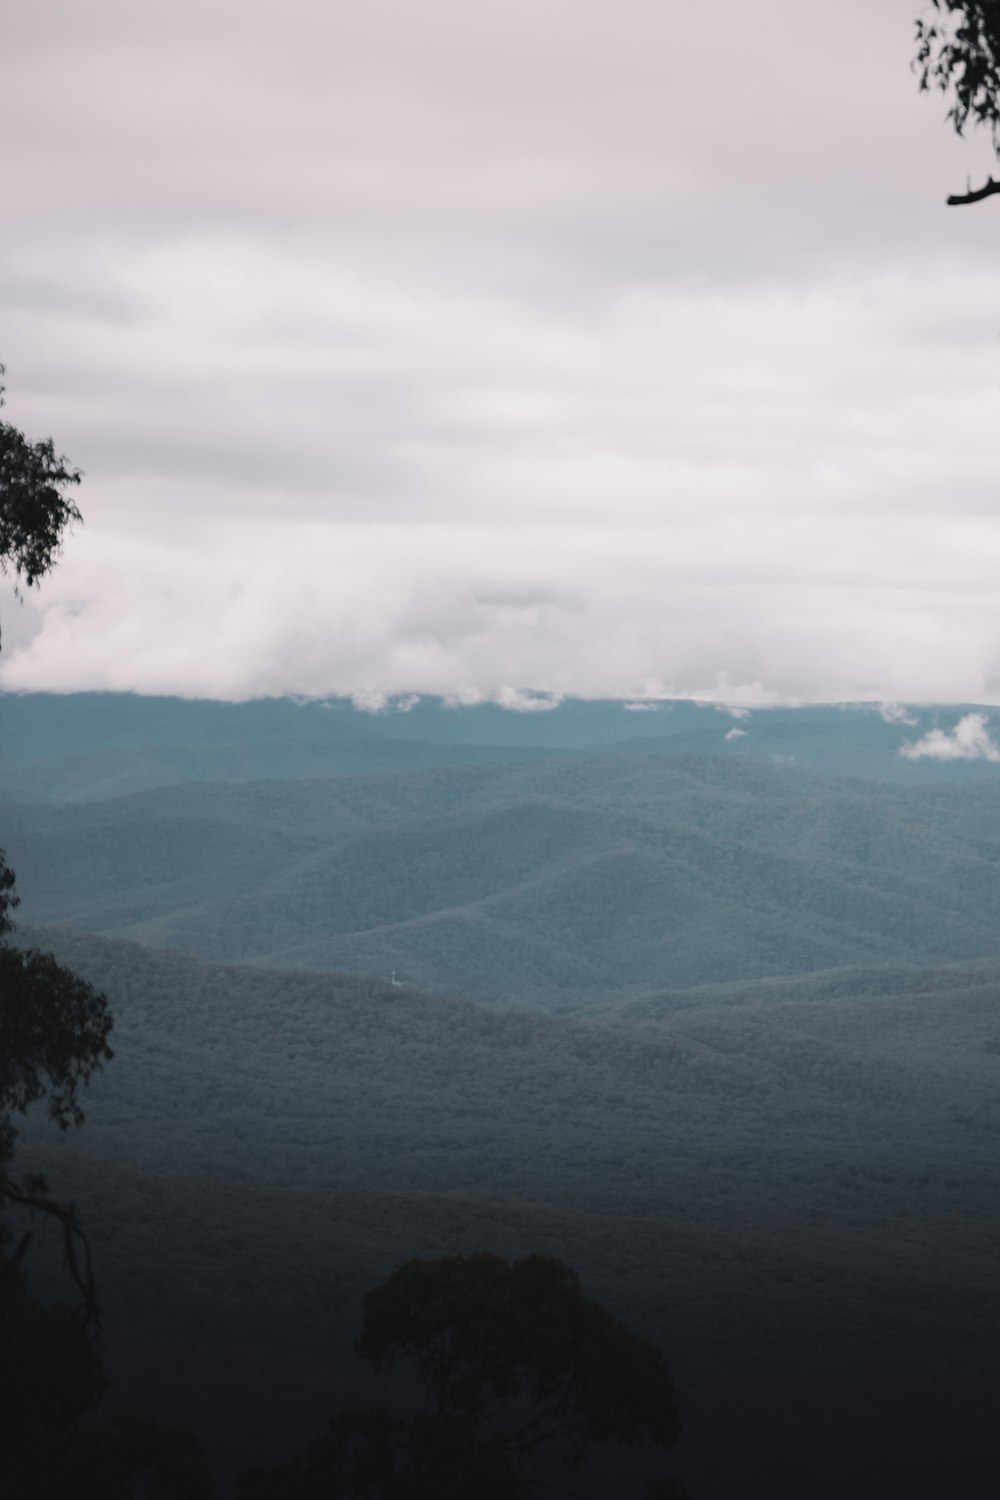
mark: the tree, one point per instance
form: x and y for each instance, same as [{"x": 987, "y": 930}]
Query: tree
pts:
[
  {"x": 958, "y": 52},
  {"x": 34, "y": 512},
  {"x": 54, "y": 1031},
  {"x": 53, "y": 1025},
  {"x": 53, "y": 1034},
  {"x": 50, "y": 1378},
  {"x": 518, "y": 1368}
]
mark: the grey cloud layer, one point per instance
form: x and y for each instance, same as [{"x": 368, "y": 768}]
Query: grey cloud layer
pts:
[{"x": 443, "y": 348}]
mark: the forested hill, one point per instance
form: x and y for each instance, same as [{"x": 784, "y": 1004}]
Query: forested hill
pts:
[
  {"x": 704, "y": 1004},
  {"x": 570, "y": 880},
  {"x": 329, "y": 1080},
  {"x": 791, "y": 1186},
  {"x": 102, "y": 744}
]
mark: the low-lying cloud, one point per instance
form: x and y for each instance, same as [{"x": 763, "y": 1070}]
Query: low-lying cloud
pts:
[
  {"x": 238, "y": 608},
  {"x": 896, "y": 713},
  {"x": 969, "y": 740}
]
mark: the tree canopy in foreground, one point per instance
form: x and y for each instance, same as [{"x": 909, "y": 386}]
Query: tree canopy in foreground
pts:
[
  {"x": 53, "y": 1026},
  {"x": 958, "y": 52},
  {"x": 34, "y": 511},
  {"x": 517, "y": 1369},
  {"x": 54, "y": 1029}
]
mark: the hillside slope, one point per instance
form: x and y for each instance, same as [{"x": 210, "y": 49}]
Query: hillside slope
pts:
[
  {"x": 801, "y": 1210},
  {"x": 565, "y": 884}
]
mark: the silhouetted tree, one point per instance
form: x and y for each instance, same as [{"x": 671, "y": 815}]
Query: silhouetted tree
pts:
[
  {"x": 54, "y": 1029},
  {"x": 53, "y": 1026},
  {"x": 50, "y": 1378},
  {"x": 517, "y": 1366},
  {"x": 53, "y": 1034},
  {"x": 34, "y": 512},
  {"x": 958, "y": 52}
]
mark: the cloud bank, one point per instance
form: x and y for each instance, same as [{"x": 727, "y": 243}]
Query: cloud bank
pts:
[{"x": 433, "y": 350}]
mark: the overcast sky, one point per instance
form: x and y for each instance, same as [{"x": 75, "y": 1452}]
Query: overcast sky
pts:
[{"x": 602, "y": 347}]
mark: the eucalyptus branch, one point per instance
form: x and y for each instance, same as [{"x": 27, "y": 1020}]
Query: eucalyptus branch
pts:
[
  {"x": 974, "y": 195},
  {"x": 958, "y": 54},
  {"x": 76, "y": 1246},
  {"x": 521, "y": 1438},
  {"x": 7, "y": 1271}
]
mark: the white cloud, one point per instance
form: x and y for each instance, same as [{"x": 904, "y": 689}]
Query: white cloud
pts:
[
  {"x": 969, "y": 740},
  {"x": 526, "y": 703},
  {"x": 370, "y": 701},
  {"x": 735, "y": 734},
  {"x": 896, "y": 713},
  {"x": 242, "y": 606},
  {"x": 639, "y": 707}
]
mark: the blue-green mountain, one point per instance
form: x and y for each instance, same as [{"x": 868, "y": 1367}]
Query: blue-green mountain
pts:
[{"x": 706, "y": 1004}]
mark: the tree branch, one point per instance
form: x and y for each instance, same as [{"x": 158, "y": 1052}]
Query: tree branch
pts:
[
  {"x": 76, "y": 1246},
  {"x": 7, "y": 1271},
  {"x": 555, "y": 1412},
  {"x": 976, "y": 196}
]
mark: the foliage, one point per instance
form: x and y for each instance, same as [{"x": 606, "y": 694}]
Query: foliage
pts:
[
  {"x": 54, "y": 1030},
  {"x": 34, "y": 511},
  {"x": 485, "y": 1333},
  {"x": 133, "y": 1454},
  {"x": 518, "y": 1365},
  {"x": 51, "y": 1379},
  {"x": 964, "y": 58},
  {"x": 53, "y": 1025},
  {"x": 372, "y": 1455},
  {"x": 958, "y": 52}
]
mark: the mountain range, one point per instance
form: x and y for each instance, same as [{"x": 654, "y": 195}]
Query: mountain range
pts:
[{"x": 705, "y": 1003}]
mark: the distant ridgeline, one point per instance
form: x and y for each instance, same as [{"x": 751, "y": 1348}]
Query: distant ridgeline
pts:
[
  {"x": 568, "y": 857},
  {"x": 94, "y": 745}
]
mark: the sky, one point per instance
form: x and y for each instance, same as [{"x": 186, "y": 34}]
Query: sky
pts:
[{"x": 612, "y": 348}]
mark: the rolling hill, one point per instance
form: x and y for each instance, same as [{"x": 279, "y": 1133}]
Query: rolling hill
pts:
[
  {"x": 791, "y": 1185},
  {"x": 711, "y": 1015},
  {"x": 564, "y": 883}
]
